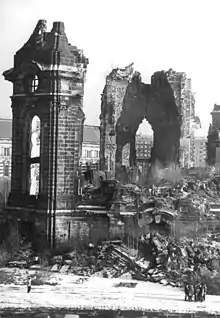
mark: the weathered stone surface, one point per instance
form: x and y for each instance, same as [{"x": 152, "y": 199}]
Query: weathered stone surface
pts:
[
  {"x": 35, "y": 267},
  {"x": 167, "y": 103},
  {"x": 57, "y": 259},
  {"x": 20, "y": 264},
  {"x": 56, "y": 98},
  {"x": 64, "y": 269},
  {"x": 55, "y": 268}
]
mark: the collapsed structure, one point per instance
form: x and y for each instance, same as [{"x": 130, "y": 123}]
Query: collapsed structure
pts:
[
  {"x": 168, "y": 104},
  {"x": 48, "y": 87}
]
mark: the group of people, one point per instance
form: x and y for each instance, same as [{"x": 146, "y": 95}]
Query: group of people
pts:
[{"x": 195, "y": 292}]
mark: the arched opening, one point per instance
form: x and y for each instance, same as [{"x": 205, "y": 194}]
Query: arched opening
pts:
[
  {"x": 32, "y": 83},
  {"x": 144, "y": 143},
  {"x": 160, "y": 102},
  {"x": 34, "y": 157}
]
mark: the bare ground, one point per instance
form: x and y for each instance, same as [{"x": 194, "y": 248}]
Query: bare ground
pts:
[{"x": 99, "y": 293}]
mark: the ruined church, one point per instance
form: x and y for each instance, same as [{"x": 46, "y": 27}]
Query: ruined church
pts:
[
  {"x": 168, "y": 104},
  {"x": 47, "y": 104}
]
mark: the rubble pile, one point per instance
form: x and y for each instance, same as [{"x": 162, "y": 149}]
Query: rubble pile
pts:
[
  {"x": 190, "y": 199},
  {"x": 160, "y": 257},
  {"x": 177, "y": 261},
  {"x": 111, "y": 259}
]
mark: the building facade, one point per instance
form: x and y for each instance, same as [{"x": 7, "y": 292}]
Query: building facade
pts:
[
  {"x": 90, "y": 145},
  {"x": 144, "y": 144},
  {"x": 5, "y": 147},
  {"x": 200, "y": 152},
  {"x": 213, "y": 139}
]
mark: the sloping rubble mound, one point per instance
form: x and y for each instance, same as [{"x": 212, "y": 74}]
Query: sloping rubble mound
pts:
[
  {"x": 158, "y": 258},
  {"x": 190, "y": 199}
]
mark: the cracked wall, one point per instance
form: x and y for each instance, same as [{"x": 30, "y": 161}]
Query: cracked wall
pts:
[{"x": 167, "y": 104}]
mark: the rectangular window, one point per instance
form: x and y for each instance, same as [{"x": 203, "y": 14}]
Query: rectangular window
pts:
[
  {"x": 34, "y": 157},
  {"x": 34, "y": 177},
  {"x": 88, "y": 153},
  {"x": 96, "y": 154},
  {"x": 6, "y": 170},
  {"x": 5, "y": 151}
]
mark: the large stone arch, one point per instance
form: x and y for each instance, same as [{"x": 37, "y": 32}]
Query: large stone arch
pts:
[{"x": 126, "y": 101}]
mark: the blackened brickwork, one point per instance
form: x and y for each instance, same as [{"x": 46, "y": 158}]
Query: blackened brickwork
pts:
[{"x": 58, "y": 101}]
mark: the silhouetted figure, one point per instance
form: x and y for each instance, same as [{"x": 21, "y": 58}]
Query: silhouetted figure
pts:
[
  {"x": 189, "y": 292},
  {"x": 29, "y": 285},
  {"x": 203, "y": 291}
]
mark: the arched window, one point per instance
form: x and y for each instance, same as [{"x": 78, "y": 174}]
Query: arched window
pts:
[
  {"x": 32, "y": 83},
  {"x": 34, "y": 157}
]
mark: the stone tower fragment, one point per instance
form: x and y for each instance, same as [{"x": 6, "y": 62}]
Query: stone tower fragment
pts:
[{"x": 47, "y": 104}]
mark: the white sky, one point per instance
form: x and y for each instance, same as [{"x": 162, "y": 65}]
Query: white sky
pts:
[{"x": 154, "y": 34}]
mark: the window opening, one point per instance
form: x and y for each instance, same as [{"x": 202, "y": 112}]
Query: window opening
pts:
[
  {"x": 33, "y": 83},
  {"x": 6, "y": 151},
  {"x": 6, "y": 169},
  {"x": 34, "y": 157}
]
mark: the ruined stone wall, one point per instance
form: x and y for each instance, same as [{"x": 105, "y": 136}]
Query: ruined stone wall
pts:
[
  {"x": 112, "y": 104},
  {"x": 69, "y": 143},
  {"x": 84, "y": 229},
  {"x": 188, "y": 115},
  {"x": 57, "y": 100},
  {"x": 168, "y": 105},
  {"x": 185, "y": 102},
  {"x": 163, "y": 113}
]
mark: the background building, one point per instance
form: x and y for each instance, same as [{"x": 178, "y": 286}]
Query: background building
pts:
[
  {"x": 5, "y": 147},
  {"x": 213, "y": 142},
  {"x": 144, "y": 143},
  {"x": 5, "y": 159},
  {"x": 90, "y": 146},
  {"x": 200, "y": 151}
]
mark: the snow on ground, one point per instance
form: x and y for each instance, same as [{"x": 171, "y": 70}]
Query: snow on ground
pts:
[{"x": 101, "y": 293}]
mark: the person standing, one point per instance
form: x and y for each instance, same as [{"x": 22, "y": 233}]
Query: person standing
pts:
[{"x": 29, "y": 285}]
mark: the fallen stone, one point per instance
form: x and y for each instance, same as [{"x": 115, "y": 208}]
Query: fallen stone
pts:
[
  {"x": 143, "y": 264},
  {"x": 64, "y": 269},
  {"x": 68, "y": 262},
  {"x": 164, "y": 282},
  {"x": 82, "y": 280},
  {"x": 71, "y": 255},
  {"x": 126, "y": 284},
  {"x": 57, "y": 259},
  {"x": 55, "y": 268},
  {"x": 158, "y": 275},
  {"x": 158, "y": 260},
  {"x": 37, "y": 266},
  {"x": 36, "y": 259},
  {"x": 19, "y": 264}
]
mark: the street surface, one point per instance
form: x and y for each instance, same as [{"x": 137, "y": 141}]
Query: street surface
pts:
[{"x": 101, "y": 293}]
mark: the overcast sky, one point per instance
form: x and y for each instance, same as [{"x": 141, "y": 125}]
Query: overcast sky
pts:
[{"x": 154, "y": 34}]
